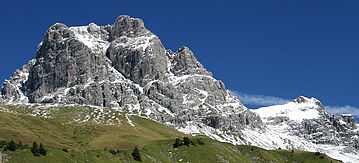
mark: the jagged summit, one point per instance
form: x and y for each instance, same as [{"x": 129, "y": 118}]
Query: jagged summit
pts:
[
  {"x": 125, "y": 66},
  {"x": 57, "y": 26},
  {"x": 124, "y": 25},
  {"x": 302, "y": 99}
]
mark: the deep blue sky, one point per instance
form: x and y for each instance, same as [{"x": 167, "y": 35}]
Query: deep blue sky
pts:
[{"x": 276, "y": 48}]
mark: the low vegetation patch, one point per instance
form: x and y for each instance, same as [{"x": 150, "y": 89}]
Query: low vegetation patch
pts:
[{"x": 34, "y": 139}]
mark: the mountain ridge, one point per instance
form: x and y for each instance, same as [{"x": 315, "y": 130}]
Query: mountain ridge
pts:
[
  {"x": 305, "y": 124},
  {"x": 126, "y": 67}
]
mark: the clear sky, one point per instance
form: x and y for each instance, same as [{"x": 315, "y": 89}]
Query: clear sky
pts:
[{"x": 262, "y": 50}]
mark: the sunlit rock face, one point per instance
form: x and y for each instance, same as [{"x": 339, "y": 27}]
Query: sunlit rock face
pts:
[{"x": 125, "y": 66}]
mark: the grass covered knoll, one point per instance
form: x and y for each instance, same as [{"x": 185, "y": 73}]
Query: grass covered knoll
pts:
[
  {"x": 79, "y": 128},
  {"x": 81, "y": 134}
]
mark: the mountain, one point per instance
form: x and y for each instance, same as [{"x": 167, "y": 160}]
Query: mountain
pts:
[
  {"x": 304, "y": 124},
  {"x": 124, "y": 66}
]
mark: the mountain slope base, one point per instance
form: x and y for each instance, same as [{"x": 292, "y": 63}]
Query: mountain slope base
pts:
[
  {"x": 162, "y": 151},
  {"x": 86, "y": 140}
]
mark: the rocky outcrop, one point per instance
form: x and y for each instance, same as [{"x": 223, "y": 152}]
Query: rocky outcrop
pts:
[
  {"x": 347, "y": 128},
  {"x": 183, "y": 62},
  {"x": 125, "y": 66},
  {"x": 15, "y": 89}
]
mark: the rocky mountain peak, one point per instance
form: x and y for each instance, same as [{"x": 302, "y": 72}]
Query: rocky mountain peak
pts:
[
  {"x": 128, "y": 22},
  {"x": 126, "y": 25},
  {"x": 302, "y": 99},
  {"x": 184, "y": 49},
  {"x": 125, "y": 66},
  {"x": 183, "y": 62},
  {"x": 310, "y": 101},
  {"x": 298, "y": 110},
  {"x": 57, "y": 26},
  {"x": 57, "y": 32}
]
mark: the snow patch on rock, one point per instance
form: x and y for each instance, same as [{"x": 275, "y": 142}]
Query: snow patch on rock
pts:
[{"x": 93, "y": 37}]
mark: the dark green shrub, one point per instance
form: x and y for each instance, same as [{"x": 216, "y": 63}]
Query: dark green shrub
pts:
[
  {"x": 20, "y": 146},
  {"x": 35, "y": 149},
  {"x": 186, "y": 141},
  {"x": 65, "y": 150},
  {"x": 6, "y": 148},
  {"x": 192, "y": 143},
  {"x": 12, "y": 145},
  {"x": 177, "y": 143},
  {"x": 200, "y": 141},
  {"x": 136, "y": 154},
  {"x": 2, "y": 143},
  {"x": 42, "y": 150},
  {"x": 317, "y": 154},
  {"x": 113, "y": 152}
]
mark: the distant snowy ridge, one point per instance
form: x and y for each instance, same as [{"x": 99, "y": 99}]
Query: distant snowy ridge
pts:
[
  {"x": 265, "y": 100},
  {"x": 304, "y": 124},
  {"x": 301, "y": 108}
]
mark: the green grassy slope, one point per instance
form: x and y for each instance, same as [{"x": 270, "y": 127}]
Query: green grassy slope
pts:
[
  {"x": 71, "y": 127},
  {"x": 62, "y": 130}
]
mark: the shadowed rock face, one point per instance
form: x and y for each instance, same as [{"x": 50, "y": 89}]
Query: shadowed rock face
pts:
[{"x": 125, "y": 66}]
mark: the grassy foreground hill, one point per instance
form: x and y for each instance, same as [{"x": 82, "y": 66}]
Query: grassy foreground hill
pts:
[{"x": 74, "y": 133}]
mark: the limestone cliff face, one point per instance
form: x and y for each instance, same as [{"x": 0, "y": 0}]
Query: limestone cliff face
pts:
[{"x": 125, "y": 66}]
